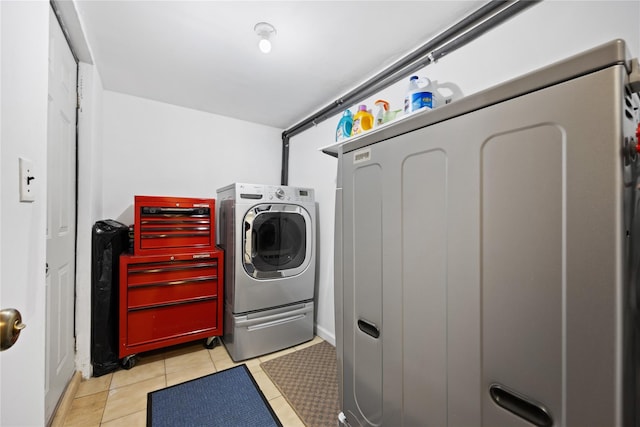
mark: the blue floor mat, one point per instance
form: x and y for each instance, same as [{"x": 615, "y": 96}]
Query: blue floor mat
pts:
[{"x": 227, "y": 398}]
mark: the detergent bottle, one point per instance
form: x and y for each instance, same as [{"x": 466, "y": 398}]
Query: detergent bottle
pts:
[
  {"x": 426, "y": 94},
  {"x": 419, "y": 95},
  {"x": 362, "y": 121},
  {"x": 343, "y": 131},
  {"x": 382, "y": 107}
]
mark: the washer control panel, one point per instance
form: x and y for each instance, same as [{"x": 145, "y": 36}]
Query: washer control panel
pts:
[
  {"x": 275, "y": 193},
  {"x": 288, "y": 194}
]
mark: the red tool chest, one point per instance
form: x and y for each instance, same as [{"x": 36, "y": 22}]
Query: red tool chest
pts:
[
  {"x": 171, "y": 287},
  {"x": 169, "y": 299},
  {"x": 171, "y": 225}
]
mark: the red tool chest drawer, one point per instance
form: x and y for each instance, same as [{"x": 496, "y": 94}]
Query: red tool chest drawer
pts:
[
  {"x": 162, "y": 283},
  {"x": 161, "y": 323},
  {"x": 170, "y": 225},
  {"x": 169, "y": 299}
]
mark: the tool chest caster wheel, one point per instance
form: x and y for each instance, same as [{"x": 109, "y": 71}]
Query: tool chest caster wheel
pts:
[
  {"x": 211, "y": 342},
  {"x": 129, "y": 362}
]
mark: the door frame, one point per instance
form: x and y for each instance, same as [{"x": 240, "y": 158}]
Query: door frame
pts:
[
  {"x": 88, "y": 175},
  {"x": 48, "y": 374}
]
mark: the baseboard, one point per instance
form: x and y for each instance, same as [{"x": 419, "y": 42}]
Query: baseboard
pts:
[
  {"x": 64, "y": 406},
  {"x": 326, "y": 335}
]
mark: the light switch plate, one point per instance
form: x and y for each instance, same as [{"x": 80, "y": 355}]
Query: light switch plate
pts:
[{"x": 27, "y": 187}]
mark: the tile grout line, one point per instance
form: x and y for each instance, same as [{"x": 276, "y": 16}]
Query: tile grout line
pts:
[{"x": 104, "y": 406}]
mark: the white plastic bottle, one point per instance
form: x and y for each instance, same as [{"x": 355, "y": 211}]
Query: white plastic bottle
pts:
[{"x": 419, "y": 95}]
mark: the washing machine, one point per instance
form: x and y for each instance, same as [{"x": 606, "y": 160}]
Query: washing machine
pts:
[{"x": 268, "y": 233}]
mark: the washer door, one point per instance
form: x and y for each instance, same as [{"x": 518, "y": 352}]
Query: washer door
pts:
[{"x": 277, "y": 241}]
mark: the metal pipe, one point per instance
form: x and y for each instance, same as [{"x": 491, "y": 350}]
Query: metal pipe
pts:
[
  {"x": 464, "y": 31},
  {"x": 284, "y": 174},
  {"x": 402, "y": 67},
  {"x": 482, "y": 27}
]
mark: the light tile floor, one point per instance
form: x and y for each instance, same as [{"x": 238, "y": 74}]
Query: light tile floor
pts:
[{"x": 120, "y": 398}]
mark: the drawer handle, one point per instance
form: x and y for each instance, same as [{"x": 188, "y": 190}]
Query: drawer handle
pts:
[
  {"x": 369, "y": 328},
  {"x": 275, "y": 323},
  {"x": 176, "y": 282},
  {"x": 153, "y": 210},
  {"x": 172, "y": 268},
  {"x": 173, "y": 236},
  {"x": 165, "y": 222},
  {"x": 172, "y": 303},
  {"x": 521, "y": 406},
  {"x": 169, "y": 227}
]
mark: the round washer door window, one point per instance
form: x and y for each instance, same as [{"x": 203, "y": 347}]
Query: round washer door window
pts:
[{"x": 276, "y": 240}]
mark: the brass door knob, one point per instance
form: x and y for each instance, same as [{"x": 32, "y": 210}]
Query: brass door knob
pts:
[{"x": 10, "y": 327}]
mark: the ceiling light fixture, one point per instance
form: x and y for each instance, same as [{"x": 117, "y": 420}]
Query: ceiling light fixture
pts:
[{"x": 264, "y": 30}]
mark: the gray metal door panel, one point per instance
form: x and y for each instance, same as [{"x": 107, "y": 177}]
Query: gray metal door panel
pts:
[
  {"x": 423, "y": 282},
  {"x": 409, "y": 240},
  {"x": 422, "y": 252},
  {"x": 438, "y": 271},
  {"x": 522, "y": 254},
  {"x": 551, "y": 252},
  {"x": 367, "y": 294},
  {"x": 365, "y": 263}
]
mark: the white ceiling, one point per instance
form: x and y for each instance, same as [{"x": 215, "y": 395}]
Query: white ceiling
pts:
[{"x": 203, "y": 54}]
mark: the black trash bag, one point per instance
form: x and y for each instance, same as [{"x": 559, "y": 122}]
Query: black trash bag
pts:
[{"x": 108, "y": 241}]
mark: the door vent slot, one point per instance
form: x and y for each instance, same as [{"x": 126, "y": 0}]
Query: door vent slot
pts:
[
  {"x": 521, "y": 406},
  {"x": 369, "y": 328}
]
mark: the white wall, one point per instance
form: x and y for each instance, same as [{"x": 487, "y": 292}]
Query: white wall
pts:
[
  {"x": 89, "y": 203},
  {"x": 545, "y": 33},
  {"x": 308, "y": 168},
  {"x": 152, "y": 148},
  {"x": 129, "y": 145},
  {"x": 24, "y": 48}
]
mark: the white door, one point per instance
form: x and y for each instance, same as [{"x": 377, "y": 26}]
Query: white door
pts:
[
  {"x": 61, "y": 217},
  {"x": 24, "y": 34}
]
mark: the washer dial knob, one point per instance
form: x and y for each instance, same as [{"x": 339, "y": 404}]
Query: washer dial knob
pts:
[{"x": 280, "y": 193}]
